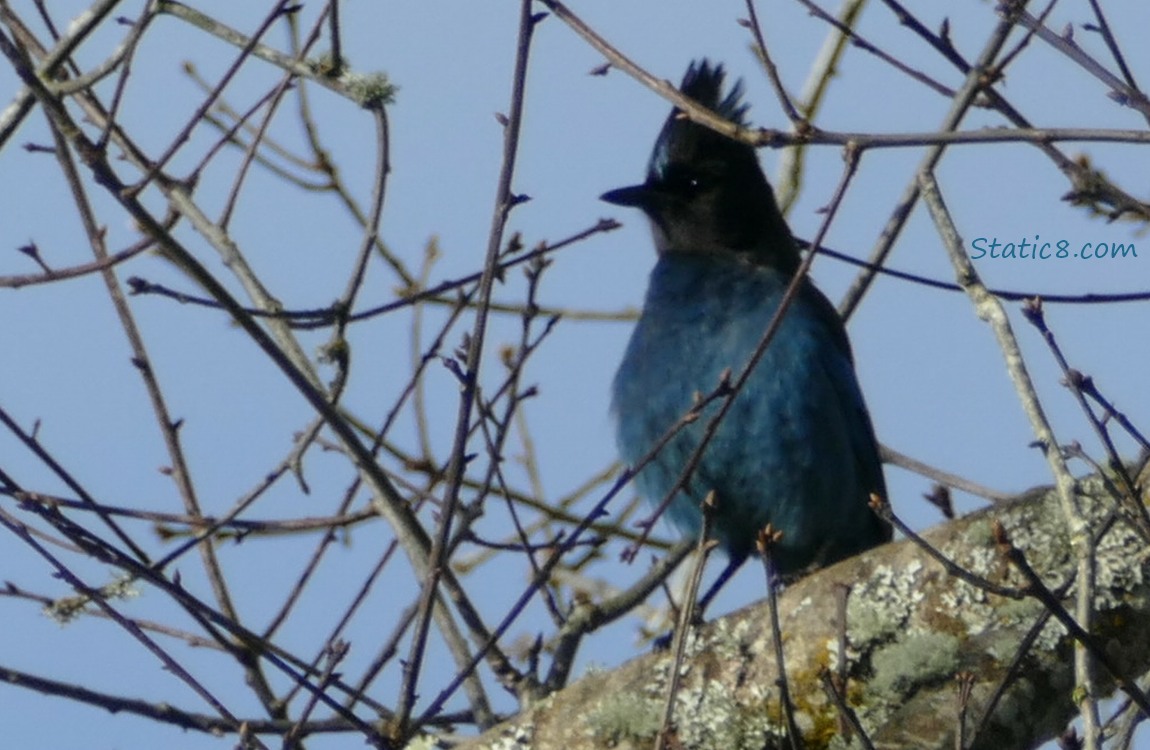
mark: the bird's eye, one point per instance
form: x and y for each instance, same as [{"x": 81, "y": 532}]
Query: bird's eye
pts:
[{"x": 684, "y": 180}]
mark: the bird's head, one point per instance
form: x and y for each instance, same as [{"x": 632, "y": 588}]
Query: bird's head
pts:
[{"x": 705, "y": 193}]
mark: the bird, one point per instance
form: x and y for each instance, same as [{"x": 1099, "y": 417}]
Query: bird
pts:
[{"x": 797, "y": 449}]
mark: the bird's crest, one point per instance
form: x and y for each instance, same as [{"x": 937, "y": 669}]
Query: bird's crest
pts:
[
  {"x": 704, "y": 84},
  {"x": 683, "y": 140}
]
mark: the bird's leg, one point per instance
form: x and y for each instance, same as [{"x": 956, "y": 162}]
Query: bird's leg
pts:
[
  {"x": 663, "y": 642},
  {"x": 733, "y": 564}
]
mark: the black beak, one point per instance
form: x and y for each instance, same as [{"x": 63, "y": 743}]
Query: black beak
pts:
[{"x": 637, "y": 196}]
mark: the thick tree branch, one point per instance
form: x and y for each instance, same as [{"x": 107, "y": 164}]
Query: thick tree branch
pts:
[{"x": 913, "y": 630}]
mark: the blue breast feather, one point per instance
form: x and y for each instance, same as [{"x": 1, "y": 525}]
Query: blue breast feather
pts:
[{"x": 795, "y": 450}]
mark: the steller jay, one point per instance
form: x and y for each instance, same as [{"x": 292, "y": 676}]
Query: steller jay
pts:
[{"x": 796, "y": 449}]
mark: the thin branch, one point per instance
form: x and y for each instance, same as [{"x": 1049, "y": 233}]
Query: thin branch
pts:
[
  {"x": 797, "y": 120},
  {"x": 963, "y": 100},
  {"x": 665, "y": 737},
  {"x": 505, "y": 200},
  {"x": 1088, "y": 641},
  {"x": 990, "y": 309}
]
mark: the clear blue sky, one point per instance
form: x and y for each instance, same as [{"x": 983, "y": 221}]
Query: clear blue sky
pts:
[{"x": 934, "y": 380}]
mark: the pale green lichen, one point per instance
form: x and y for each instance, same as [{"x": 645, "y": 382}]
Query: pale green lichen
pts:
[
  {"x": 1010, "y": 613},
  {"x": 626, "y": 716},
  {"x": 517, "y": 737},
  {"x": 709, "y": 716},
  {"x": 423, "y": 742},
  {"x": 978, "y": 535},
  {"x": 1114, "y": 573},
  {"x": 919, "y": 659},
  {"x": 370, "y": 89},
  {"x": 879, "y": 606},
  {"x": 725, "y": 641},
  {"x": 66, "y": 609},
  {"x": 968, "y": 607},
  {"x": 1053, "y": 634}
]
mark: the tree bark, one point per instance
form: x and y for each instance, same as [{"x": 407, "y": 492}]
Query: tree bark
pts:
[{"x": 913, "y": 629}]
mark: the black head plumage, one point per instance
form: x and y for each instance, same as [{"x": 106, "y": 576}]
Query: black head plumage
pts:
[
  {"x": 705, "y": 193},
  {"x": 681, "y": 140}
]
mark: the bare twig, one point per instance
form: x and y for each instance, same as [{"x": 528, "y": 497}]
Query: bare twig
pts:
[
  {"x": 765, "y": 544},
  {"x": 685, "y": 621}
]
